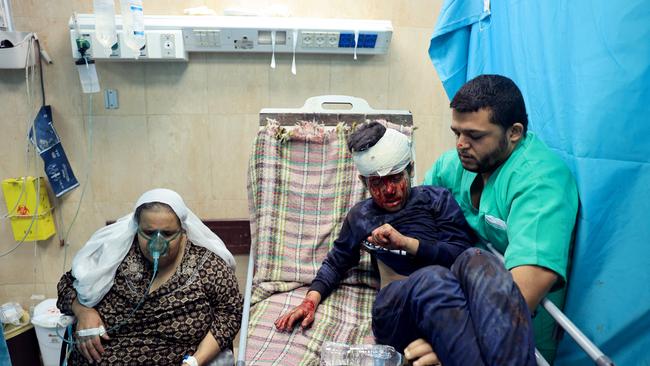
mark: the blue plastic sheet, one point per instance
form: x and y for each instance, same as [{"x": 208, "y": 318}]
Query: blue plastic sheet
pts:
[
  {"x": 584, "y": 69},
  {"x": 4, "y": 351}
]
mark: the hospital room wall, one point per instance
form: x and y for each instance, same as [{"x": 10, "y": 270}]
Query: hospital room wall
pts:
[{"x": 189, "y": 126}]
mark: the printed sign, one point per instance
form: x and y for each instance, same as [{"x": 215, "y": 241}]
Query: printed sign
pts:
[
  {"x": 58, "y": 170},
  {"x": 47, "y": 142}
]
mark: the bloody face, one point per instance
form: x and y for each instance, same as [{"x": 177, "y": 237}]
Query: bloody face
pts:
[{"x": 390, "y": 192}]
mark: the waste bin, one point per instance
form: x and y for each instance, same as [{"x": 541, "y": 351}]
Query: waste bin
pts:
[{"x": 47, "y": 320}]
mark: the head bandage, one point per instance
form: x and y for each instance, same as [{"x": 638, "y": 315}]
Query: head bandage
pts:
[
  {"x": 95, "y": 264},
  {"x": 390, "y": 155}
]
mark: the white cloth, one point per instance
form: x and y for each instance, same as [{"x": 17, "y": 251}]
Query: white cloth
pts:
[
  {"x": 94, "y": 266},
  {"x": 390, "y": 155}
]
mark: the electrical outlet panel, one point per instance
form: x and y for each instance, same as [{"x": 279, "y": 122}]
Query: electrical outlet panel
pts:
[
  {"x": 202, "y": 38},
  {"x": 171, "y": 38},
  {"x": 337, "y": 40}
]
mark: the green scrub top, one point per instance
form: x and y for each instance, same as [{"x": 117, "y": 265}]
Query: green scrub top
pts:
[{"x": 527, "y": 211}]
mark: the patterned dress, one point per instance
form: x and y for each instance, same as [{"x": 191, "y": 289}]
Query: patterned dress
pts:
[{"x": 201, "y": 296}]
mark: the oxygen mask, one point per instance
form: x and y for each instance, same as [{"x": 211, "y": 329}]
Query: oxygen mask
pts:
[{"x": 158, "y": 242}]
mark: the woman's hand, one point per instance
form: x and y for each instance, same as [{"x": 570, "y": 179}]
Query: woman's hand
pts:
[
  {"x": 420, "y": 353},
  {"x": 305, "y": 311},
  {"x": 88, "y": 318}
]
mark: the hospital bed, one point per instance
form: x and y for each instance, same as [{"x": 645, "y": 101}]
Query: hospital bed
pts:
[{"x": 301, "y": 183}]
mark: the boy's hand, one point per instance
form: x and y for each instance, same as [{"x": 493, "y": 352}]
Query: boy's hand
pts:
[
  {"x": 387, "y": 237},
  {"x": 305, "y": 311}
]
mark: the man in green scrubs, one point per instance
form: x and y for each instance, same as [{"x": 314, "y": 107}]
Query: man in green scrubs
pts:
[{"x": 515, "y": 193}]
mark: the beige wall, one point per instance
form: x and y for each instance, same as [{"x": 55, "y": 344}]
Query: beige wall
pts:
[{"x": 189, "y": 126}]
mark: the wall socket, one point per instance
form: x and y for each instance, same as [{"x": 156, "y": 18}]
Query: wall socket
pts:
[
  {"x": 319, "y": 39},
  {"x": 167, "y": 45}
]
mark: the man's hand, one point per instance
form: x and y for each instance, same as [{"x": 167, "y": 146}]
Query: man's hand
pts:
[
  {"x": 89, "y": 346},
  {"x": 386, "y": 236},
  {"x": 420, "y": 353},
  {"x": 305, "y": 311}
]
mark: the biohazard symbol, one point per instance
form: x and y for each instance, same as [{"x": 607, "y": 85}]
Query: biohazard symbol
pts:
[{"x": 22, "y": 210}]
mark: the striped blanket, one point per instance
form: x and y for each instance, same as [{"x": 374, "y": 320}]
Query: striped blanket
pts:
[{"x": 301, "y": 184}]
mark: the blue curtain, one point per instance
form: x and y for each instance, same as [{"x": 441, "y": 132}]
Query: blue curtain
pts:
[
  {"x": 4, "y": 351},
  {"x": 584, "y": 69}
]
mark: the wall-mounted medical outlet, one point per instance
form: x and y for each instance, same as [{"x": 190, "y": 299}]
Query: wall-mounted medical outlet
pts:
[
  {"x": 159, "y": 46},
  {"x": 243, "y": 43},
  {"x": 168, "y": 45},
  {"x": 170, "y": 38}
]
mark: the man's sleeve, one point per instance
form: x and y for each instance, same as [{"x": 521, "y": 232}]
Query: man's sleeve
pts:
[
  {"x": 432, "y": 178},
  {"x": 541, "y": 221},
  {"x": 344, "y": 255},
  {"x": 443, "y": 173}
]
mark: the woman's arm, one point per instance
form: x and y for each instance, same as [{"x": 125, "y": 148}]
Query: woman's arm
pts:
[
  {"x": 226, "y": 303},
  {"x": 207, "y": 350},
  {"x": 87, "y": 318},
  {"x": 66, "y": 294}
]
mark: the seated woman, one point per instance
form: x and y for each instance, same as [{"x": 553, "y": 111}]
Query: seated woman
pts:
[{"x": 156, "y": 287}]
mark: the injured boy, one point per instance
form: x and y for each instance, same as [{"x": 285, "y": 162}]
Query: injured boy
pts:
[{"x": 406, "y": 230}]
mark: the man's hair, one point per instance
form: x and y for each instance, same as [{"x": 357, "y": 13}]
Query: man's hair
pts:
[
  {"x": 366, "y": 136},
  {"x": 498, "y": 94}
]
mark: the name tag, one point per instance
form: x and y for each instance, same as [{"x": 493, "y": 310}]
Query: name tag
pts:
[{"x": 496, "y": 222}]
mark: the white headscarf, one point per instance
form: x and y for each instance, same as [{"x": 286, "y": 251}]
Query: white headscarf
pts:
[
  {"x": 95, "y": 264},
  {"x": 390, "y": 155}
]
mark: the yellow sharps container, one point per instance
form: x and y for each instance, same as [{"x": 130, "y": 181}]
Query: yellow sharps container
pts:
[{"x": 23, "y": 205}]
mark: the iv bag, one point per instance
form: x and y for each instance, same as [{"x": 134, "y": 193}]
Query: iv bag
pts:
[
  {"x": 133, "y": 25},
  {"x": 105, "y": 22}
]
